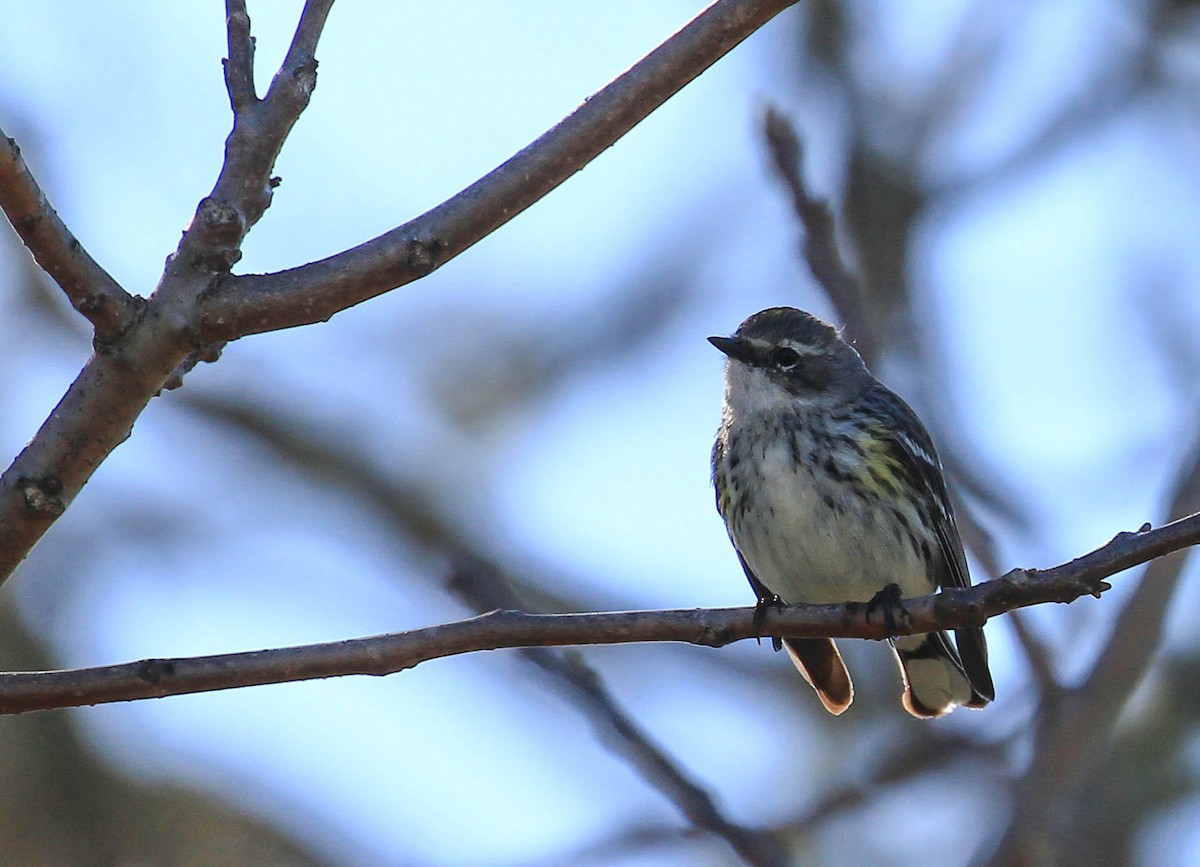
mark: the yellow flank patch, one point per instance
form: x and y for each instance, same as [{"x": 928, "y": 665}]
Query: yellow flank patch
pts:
[{"x": 884, "y": 470}]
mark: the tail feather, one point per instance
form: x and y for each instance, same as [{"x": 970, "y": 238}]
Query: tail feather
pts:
[
  {"x": 972, "y": 649},
  {"x": 935, "y": 681},
  {"x": 821, "y": 664}
]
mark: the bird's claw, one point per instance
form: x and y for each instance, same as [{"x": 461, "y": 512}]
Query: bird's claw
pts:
[
  {"x": 760, "y": 616},
  {"x": 889, "y": 601}
]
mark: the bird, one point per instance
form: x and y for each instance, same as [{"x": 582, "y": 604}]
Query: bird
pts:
[{"x": 831, "y": 491}]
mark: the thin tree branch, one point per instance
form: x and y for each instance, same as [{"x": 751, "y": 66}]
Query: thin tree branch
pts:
[
  {"x": 252, "y": 303},
  {"x": 244, "y": 189},
  {"x": 239, "y": 66},
  {"x": 261, "y": 129},
  {"x": 304, "y": 41},
  {"x": 388, "y": 654},
  {"x": 91, "y": 290},
  {"x": 98, "y": 411},
  {"x": 754, "y": 846}
]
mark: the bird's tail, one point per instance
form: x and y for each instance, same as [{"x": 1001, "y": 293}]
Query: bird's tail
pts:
[
  {"x": 821, "y": 664},
  {"x": 934, "y": 679}
]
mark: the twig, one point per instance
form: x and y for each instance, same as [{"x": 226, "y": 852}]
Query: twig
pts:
[
  {"x": 387, "y": 654},
  {"x": 754, "y": 846},
  {"x": 239, "y": 66},
  {"x": 91, "y": 290},
  {"x": 245, "y": 188},
  {"x": 252, "y": 303}
]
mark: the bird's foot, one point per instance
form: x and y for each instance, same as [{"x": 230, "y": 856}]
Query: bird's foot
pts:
[
  {"x": 888, "y": 601},
  {"x": 760, "y": 616}
]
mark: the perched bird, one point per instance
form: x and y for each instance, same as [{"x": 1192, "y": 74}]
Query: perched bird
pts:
[{"x": 831, "y": 491}]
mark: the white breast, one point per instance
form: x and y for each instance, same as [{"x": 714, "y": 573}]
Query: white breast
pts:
[{"x": 807, "y": 551}]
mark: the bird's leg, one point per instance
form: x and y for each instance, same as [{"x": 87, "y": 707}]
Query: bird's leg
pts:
[{"x": 760, "y": 615}]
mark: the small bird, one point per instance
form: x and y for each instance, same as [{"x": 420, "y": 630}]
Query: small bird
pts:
[{"x": 832, "y": 491}]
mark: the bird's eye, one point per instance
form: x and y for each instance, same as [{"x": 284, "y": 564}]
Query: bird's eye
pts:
[{"x": 785, "y": 357}]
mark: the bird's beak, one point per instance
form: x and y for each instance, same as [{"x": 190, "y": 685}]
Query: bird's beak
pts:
[{"x": 735, "y": 347}]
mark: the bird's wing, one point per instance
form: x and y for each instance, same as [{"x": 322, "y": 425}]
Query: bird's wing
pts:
[{"x": 918, "y": 462}]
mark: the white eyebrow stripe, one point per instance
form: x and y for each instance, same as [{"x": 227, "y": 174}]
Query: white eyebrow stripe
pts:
[{"x": 798, "y": 348}]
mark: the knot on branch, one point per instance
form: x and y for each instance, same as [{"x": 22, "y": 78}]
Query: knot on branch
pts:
[
  {"x": 208, "y": 354},
  {"x": 423, "y": 255},
  {"x": 28, "y": 224},
  {"x": 712, "y": 636},
  {"x": 304, "y": 75},
  {"x": 41, "y": 494},
  {"x": 1092, "y": 586},
  {"x": 114, "y": 317},
  {"x": 218, "y": 229},
  {"x": 154, "y": 671}
]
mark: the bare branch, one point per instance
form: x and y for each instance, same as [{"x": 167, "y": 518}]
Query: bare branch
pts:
[
  {"x": 756, "y": 847},
  {"x": 239, "y": 66},
  {"x": 244, "y": 189},
  {"x": 304, "y": 42},
  {"x": 386, "y": 654},
  {"x": 252, "y": 303},
  {"x": 99, "y": 409},
  {"x": 91, "y": 290},
  {"x": 157, "y": 340}
]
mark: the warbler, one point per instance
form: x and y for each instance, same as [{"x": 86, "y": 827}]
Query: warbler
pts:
[{"x": 832, "y": 491}]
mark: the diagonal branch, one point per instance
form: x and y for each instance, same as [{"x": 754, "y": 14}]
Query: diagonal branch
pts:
[
  {"x": 387, "y": 654},
  {"x": 252, "y": 303},
  {"x": 157, "y": 341},
  {"x": 819, "y": 238},
  {"x": 91, "y": 290}
]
